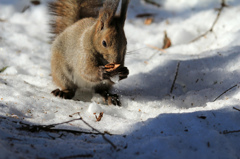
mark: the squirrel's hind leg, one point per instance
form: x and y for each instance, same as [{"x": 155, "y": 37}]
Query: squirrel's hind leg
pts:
[
  {"x": 61, "y": 74},
  {"x": 68, "y": 89},
  {"x": 113, "y": 99},
  {"x": 110, "y": 99}
]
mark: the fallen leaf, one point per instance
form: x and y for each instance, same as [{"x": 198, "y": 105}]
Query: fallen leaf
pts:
[
  {"x": 99, "y": 117},
  {"x": 166, "y": 42},
  {"x": 148, "y": 21}
]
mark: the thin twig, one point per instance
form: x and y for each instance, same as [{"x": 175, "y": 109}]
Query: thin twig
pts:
[
  {"x": 155, "y": 48},
  {"x": 175, "y": 78},
  {"x": 166, "y": 44},
  {"x": 223, "y": 5},
  {"x": 73, "y": 131},
  {"x": 236, "y": 108},
  {"x": 103, "y": 135},
  {"x": 152, "y": 3},
  {"x": 230, "y": 132},
  {"x": 145, "y": 15},
  {"x": 49, "y": 128},
  {"x": 225, "y": 92},
  {"x": 25, "y": 8},
  {"x": 78, "y": 156},
  {"x": 132, "y": 51}
]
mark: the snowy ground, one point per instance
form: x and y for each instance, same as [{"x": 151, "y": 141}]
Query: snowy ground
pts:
[{"x": 152, "y": 122}]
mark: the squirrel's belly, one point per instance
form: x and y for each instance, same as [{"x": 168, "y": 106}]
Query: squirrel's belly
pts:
[{"x": 84, "y": 84}]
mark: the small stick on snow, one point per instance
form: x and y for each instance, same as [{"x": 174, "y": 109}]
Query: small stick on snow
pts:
[
  {"x": 153, "y": 3},
  {"x": 155, "y": 48},
  {"x": 78, "y": 156},
  {"x": 223, "y": 5},
  {"x": 175, "y": 78},
  {"x": 103, "y": 134},
  {"x": 236, "y": 108},
  {"x": 225, "y": 92},
  {"x": 230, "y": 132}
]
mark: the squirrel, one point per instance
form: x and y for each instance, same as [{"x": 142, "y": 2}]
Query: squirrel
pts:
[{"x": 88, "y": 36}]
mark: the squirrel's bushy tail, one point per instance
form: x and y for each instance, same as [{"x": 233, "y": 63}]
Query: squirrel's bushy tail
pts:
[{"x": 67, "y": 12}]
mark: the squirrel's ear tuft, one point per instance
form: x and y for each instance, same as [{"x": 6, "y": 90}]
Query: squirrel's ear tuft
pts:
[
  {"x": 107, "y": 13},
  {"x": 124, "y": 8}
]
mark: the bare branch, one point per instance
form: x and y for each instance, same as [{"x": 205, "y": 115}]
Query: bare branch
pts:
[
  {"x": 223, "y": 5},
  {"x": 49, "y": 128},
  {"x": 103, "y": 135}
]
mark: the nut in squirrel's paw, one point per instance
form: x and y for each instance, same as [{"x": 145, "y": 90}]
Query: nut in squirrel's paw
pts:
[{"x": 111, "y": 67}]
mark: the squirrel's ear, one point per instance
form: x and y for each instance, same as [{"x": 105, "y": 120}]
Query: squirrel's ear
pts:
[
  {"x": 103, "y": 20},
  {"x": 108, "y": 12},
  {"x": 103, "y": 16},
  {"x": 124, "y": 8}
]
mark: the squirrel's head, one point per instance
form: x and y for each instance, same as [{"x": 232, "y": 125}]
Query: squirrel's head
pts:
[{"x": 109, "y": 37}]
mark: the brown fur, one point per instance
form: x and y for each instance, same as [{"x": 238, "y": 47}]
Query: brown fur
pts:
[
  {"x": 78, "y": 52},
  {"x": 67, "y": 12}
]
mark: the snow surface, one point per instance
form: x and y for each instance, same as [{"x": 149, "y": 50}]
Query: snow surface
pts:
[{"x": 152, "y": 122}]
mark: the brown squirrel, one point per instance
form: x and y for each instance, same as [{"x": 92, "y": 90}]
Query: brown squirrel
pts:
[{"x": 88, "y": 36}]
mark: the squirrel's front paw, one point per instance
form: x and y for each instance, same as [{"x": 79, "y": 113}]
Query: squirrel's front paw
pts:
[
  {"x": 123, "y": 73},
  {"x": 105, "y": 74}
]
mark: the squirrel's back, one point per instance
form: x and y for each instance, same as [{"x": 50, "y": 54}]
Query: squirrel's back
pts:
[{"x": 67, "y": 12}]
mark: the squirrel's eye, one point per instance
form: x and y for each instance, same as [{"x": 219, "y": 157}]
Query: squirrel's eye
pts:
[{"x": 104, "y": 43}]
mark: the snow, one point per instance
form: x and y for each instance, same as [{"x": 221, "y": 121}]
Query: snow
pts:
[
  {"x": 152, "y": 122},
  {"x": 115, "y": 78}
]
